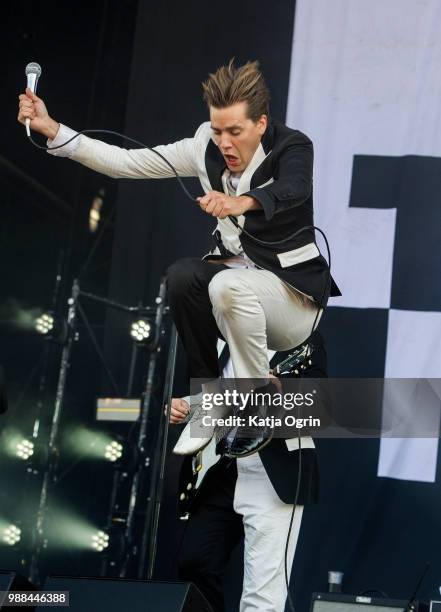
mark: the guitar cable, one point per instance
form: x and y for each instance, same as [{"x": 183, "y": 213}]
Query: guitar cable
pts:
[
  {"x": 258, "y": 241},
  {"x": 299, "y": 438}
]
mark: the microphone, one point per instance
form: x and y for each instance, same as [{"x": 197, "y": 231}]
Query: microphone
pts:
[{"x": 33, "y": 72}]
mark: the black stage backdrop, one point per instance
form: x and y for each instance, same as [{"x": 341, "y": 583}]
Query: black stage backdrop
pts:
[{"x": 85, "y": 50}]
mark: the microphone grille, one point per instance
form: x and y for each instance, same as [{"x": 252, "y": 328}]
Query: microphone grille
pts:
[{"x": 33, "y": 68}]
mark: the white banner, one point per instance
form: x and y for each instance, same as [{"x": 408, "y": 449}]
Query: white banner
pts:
[{"x": 365, "y": 81}]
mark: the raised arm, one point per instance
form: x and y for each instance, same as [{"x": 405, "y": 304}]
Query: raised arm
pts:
[{"x": 108, "y": 159}]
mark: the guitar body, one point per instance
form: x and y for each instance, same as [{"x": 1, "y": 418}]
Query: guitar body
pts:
[{"x": 193, "y": 470}]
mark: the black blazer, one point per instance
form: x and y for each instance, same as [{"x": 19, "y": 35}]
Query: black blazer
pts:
[
  {"x": 279, "y": 177},
  {"x": 281, "y": 464}
]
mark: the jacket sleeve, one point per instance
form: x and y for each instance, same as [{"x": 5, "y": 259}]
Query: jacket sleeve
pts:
[
  {"x": 117, "y": 162},
  {"x": 292, "y": 183}
]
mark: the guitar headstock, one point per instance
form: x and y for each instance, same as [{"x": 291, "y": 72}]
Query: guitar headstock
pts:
[{"x": 296, "y": 363}]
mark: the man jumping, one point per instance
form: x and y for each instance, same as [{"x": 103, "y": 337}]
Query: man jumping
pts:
[{"x": 262, "y": 287}]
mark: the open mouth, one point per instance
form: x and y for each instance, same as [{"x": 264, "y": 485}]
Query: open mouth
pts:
[{"x": 231, "y": 160}]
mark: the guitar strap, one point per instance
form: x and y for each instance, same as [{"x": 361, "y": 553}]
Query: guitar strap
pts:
[{"x": 224, "y": 357}]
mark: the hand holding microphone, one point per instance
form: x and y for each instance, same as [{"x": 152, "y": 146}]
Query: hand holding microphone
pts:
[{"x": 32, "y": 110}]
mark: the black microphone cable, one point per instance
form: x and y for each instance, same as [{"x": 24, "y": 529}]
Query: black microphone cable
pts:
[
  {"x": 181, "y": 183},
  {"x": 299, "y": 438},
  {"x": 326, "y": 290}
]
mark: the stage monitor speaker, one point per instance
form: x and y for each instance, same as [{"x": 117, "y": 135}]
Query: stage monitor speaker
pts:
[
  {"x": 435, "y": 606},
  {"x": 336, "y": 602},
  {"x": 121, "y": 595},
  {"x": 9, "y": 582}
]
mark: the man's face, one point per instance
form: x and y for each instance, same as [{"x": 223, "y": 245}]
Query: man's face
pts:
[{"x": 236, "y": 135}]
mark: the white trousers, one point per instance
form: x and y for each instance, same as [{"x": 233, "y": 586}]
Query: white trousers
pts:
[
  {"x": 266, "y": 522},
  {"x": 256, "y": 311}
]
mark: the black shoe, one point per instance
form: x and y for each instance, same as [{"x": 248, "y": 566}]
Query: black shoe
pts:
[
  {"x": 243, "y": 447},
  {"x": 238, "y": 443},
  {"x": 242, "y": 441}
]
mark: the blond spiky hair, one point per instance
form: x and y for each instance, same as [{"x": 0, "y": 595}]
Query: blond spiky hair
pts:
[{"x": 230, "y": 85}]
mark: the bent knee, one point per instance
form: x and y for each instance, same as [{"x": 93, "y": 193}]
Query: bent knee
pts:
[{"x": 224, "y": 290}]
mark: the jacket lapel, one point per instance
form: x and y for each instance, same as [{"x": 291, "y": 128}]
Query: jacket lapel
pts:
[
  {"x": 215, "y": 166},
  {"x": 247, "y": 175},
  {"x": 263, "y": 150}
]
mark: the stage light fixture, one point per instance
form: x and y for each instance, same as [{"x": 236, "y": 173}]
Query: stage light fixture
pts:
[
  {"x": 24, "y": 449},
  {"x": 52, "y": 327},
  {"x": 99, "y": 445},
  {"x": 44, "y": 324},
  {"x": 17, "y": 446},
  {"x": 95, "y": 211},
  {"x": 69, "y": 531},
  {"x": 113, "y": 451},
  {"x": 99, "y": 541},
  {"x": 141, "y": 331},
  {"x": 94, "y": 219},
  {"x": 11, "y": 535}
]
